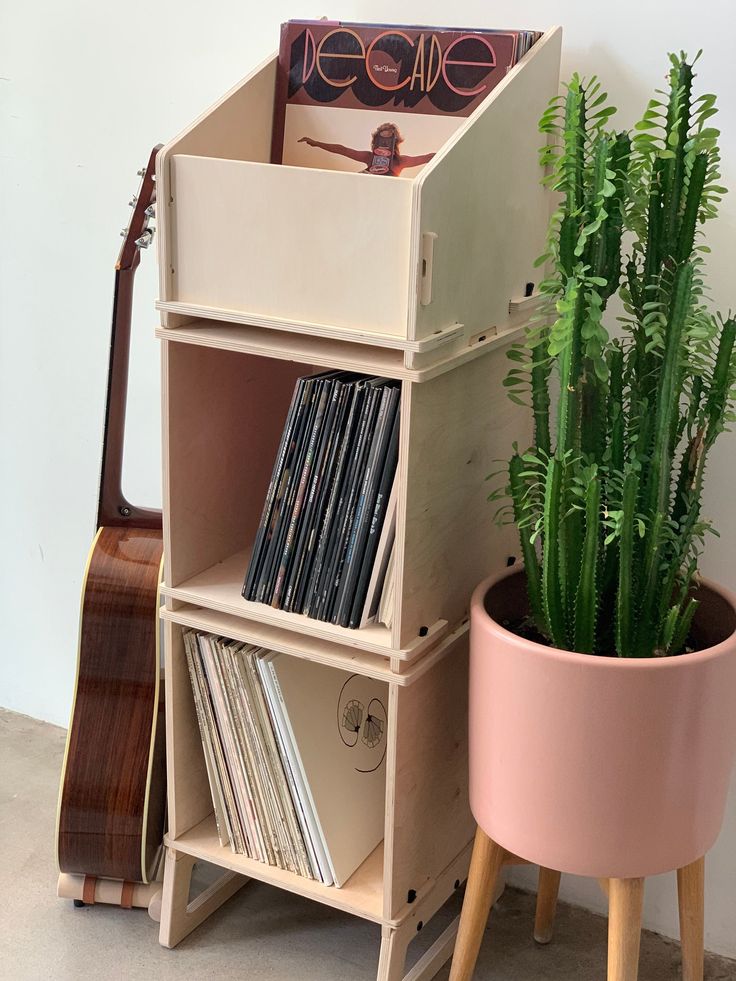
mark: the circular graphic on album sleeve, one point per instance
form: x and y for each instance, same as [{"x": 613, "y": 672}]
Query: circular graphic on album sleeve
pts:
[{"x": 361, "y": 722}]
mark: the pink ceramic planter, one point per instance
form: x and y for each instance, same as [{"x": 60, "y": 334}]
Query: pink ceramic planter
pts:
[{"x": 600, "y": 766}]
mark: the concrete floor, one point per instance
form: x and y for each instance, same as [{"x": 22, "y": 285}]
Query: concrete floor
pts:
[{"x": 262, "y": 933}]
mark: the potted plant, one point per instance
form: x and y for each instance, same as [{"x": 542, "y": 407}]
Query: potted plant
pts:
[{"x": 603, "y": 673}]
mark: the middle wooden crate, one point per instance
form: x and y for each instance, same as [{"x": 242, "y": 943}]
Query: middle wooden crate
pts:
[{"x": 224, "y": 415}]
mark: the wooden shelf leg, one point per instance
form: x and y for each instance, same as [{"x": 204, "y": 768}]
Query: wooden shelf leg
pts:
[
  {"x": 547, "y": 892},
  {"x": 626, "y": 897},
  {"x": 691, "y": 896},
  {"x": 179, "y": 916},
  {"x": 485, "y": 866},
  {"x": 436, "y": 957},
  {"x": 392, "y": 958}
]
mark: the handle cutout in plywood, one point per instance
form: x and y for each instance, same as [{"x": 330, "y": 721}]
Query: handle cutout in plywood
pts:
[
  {"x": 484, "y": 335},
  {"x": 425, "y": 269}
]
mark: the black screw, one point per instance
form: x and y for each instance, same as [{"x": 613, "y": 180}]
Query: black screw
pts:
[
  {"x": 78, "y": 904},
  {"x": 511, "y": 560},
  {"x": 420, "y": 924},
  {"x": 125, "y": 512},
  {"x": 411, "y": 895},
  {"x": 423, "y": 631},
  {"x": 529, "y": 289},
  {"x": 457, "y": 883}
]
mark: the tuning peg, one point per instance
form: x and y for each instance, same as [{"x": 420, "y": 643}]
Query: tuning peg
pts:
[
  {"x": 123, "y": 233},
  {"x": 150, "y": 211},
  {"x": 142, "y": 172},
  {"x": 133, "y": 201},
  {"x": 146, "y": 238}
]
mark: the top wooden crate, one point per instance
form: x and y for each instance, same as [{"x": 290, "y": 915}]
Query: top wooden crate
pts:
[{"x": 416, "y": 264}]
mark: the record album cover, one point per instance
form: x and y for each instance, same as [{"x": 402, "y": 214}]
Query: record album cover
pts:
[{"x": 381, "y": 99}]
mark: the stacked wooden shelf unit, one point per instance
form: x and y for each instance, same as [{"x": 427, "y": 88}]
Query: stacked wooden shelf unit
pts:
[{"x": 251, "y": 299}]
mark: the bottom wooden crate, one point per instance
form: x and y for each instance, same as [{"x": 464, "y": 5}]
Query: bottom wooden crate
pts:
[{"x": 428, "y": 826}]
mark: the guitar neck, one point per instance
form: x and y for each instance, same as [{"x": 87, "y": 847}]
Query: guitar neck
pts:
[{"x": 113, "y": 509}]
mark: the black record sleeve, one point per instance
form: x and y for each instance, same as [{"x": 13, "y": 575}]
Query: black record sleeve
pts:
[
  {"x": 284, "y": 520},
  {"x": 323, "y": 393},
  {"x": 316, "y": 480},
  {"x": 388, "y": 476},
  {"x": 313, "y": 604},
  {"x": 365, "y": 505},
  {"x": 265, "y": 528},
  {"x": 324, "y": 490},
  {"x": 347, "y": 502}
]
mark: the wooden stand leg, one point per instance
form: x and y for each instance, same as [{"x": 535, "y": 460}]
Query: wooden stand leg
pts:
[
  {"x": 392, "y": 958},
  {"x": 154, "y": 907},
  {"x": 626, "y": 898},
  {"x": 485, "y": 866},
  {"x": 691, "y": 895},
  {"x": 179, "y": 916},
  {"x": 547, "y": 892}
]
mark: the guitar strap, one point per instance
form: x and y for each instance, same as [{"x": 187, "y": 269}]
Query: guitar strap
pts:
[
  {"x": 88, "y": 890},
  {"x": 90, "y": 885},
  {"x": 126, "y": 895}
]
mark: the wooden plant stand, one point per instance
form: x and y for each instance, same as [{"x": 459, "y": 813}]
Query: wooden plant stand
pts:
[
  {"x": 435, "y": 305},
  {"x": 625, "y": 898}
]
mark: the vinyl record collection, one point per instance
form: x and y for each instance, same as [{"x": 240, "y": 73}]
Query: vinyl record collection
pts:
[
  {"x": 326, "y": 532},
  {"x": 294, "y": 752}
]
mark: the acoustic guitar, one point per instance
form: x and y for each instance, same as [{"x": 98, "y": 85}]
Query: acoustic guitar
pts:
[{"x": 112, "y": 797}]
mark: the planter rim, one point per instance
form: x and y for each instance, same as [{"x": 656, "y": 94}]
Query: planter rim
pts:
[{"x": 602, "y": 660}]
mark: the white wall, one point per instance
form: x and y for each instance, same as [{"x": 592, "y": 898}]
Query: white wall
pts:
[{"x": 85, "y": 90}]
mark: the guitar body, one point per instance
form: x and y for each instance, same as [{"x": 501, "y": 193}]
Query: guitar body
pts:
[
  {"x": 112, "y": 795},
  {"x": 112, "y": 798}
]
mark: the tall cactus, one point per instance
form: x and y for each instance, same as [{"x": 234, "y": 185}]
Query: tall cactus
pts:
[{"x": 608, "y": 502}]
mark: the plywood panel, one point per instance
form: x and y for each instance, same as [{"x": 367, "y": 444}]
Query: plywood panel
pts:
[
  {"x": 354, "y": 350},
  {"x": 292, "y": 243},
  {"x": 220, "y": 131},
  {"x": 219, "y": 588},
  {"x": 481, "y": 196},
  {"x": 288, "y": 642},
  {"x": 238, "y": 126},
  {"x": 428, "y": 816},
  {"x": 372, "y": 355},
  {"x": 460, "y": 425},
  {"x": 226, "y": 413}
]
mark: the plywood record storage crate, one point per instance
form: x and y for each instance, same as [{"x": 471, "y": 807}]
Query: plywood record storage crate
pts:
[{"x": 253, "y": 296}]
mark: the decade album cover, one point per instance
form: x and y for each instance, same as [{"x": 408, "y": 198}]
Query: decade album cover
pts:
[{"x": 380, "y": 99}]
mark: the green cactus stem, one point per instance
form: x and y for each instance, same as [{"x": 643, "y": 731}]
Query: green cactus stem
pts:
[
  {"x": 552, "y": 587},
  {"x": 586, "y": 600},
  {"x": 531, "y": 563}
]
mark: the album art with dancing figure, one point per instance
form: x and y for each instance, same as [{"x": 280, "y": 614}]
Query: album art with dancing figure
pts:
[{"x": 379, "y": 99}]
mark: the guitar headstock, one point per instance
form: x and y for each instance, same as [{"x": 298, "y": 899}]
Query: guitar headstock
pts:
[{"x": 138, "y": 234}]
